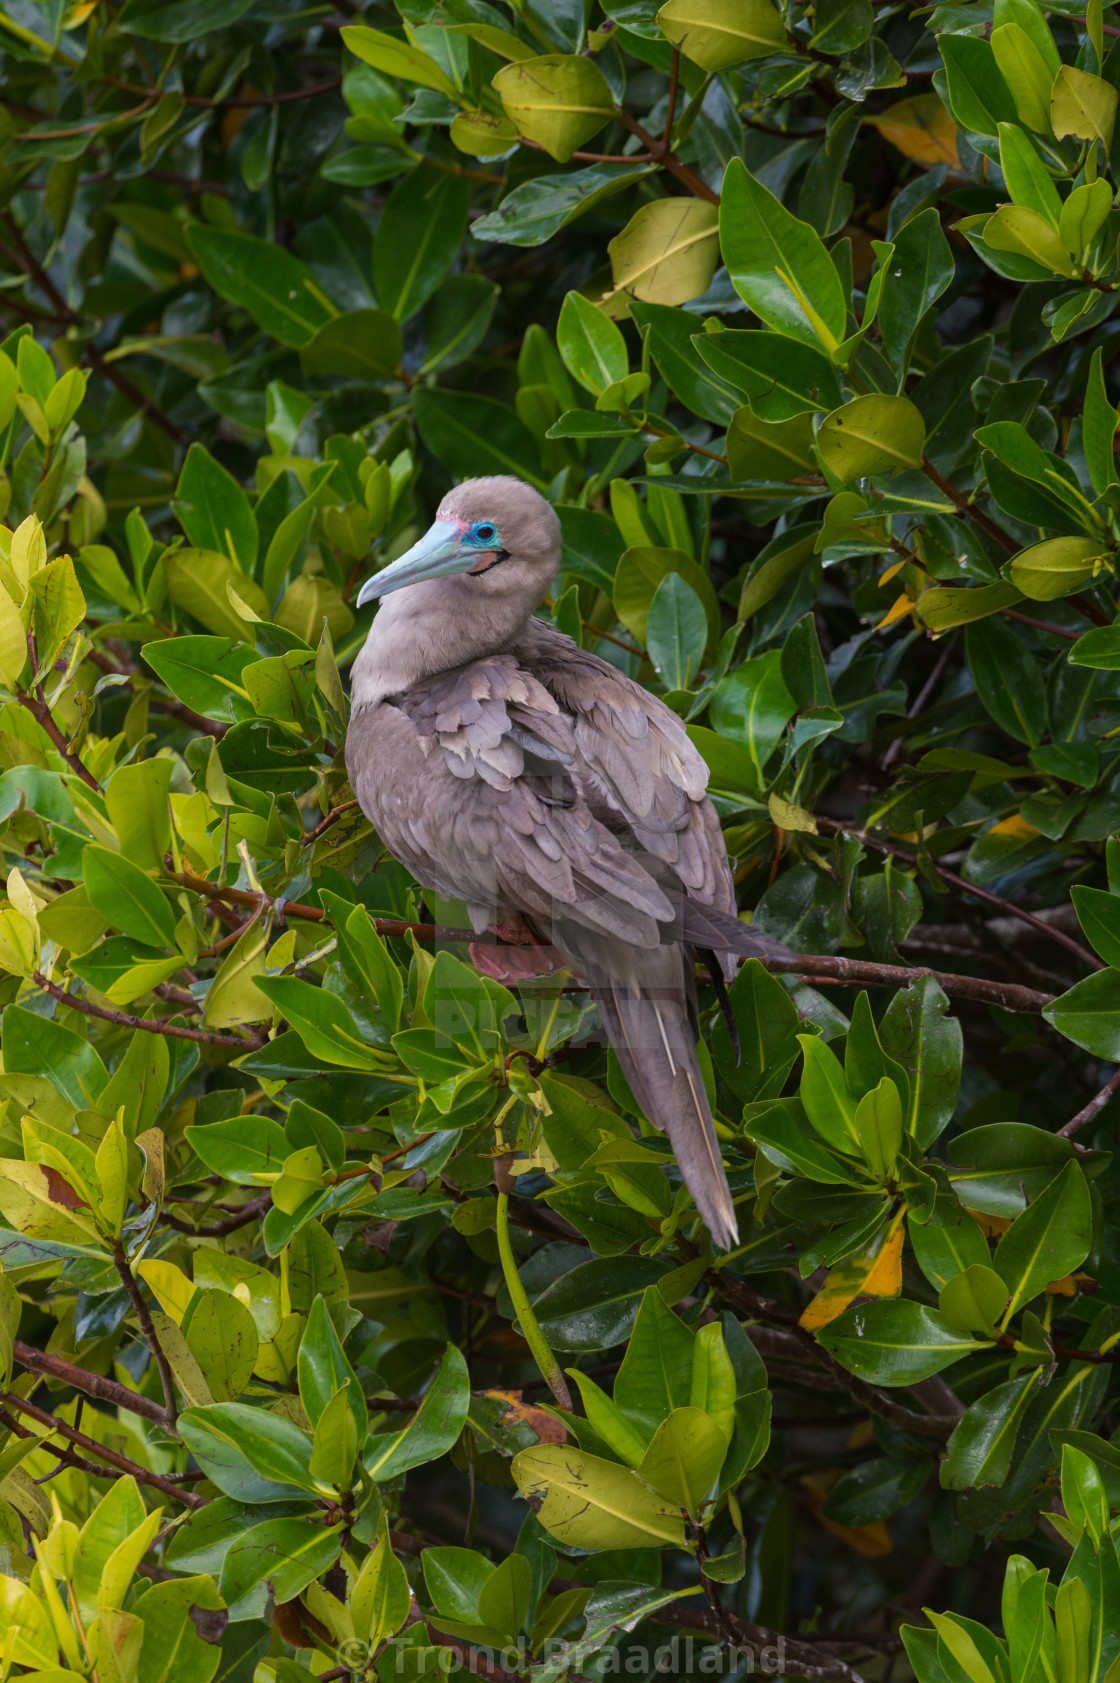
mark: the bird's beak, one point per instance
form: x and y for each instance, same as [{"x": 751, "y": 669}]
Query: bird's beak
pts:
[{"x": 441, "y": 550}]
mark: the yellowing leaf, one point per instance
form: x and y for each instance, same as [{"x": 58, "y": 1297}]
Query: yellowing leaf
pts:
[
  {"x": 899, "y": 608},
  {"x": 1016, "y": 825},
  {"x": 921, "y": 129},
  {"x": 666, "y": 254},
  {"x": 715, "y": 34},
  {"x": 875, "y": 1272},
  {"x": 867, "y": 1540}
]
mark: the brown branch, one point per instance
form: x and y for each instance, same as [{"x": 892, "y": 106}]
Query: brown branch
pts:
[
  {"x": 671, "y": 113},
  {"x": 969, "y": 509},
  {"x": 1093, "y": 1108},
  {"x": 34, "y": 269},
  {"x": 229, "y": 1224},
  {"x": 1041, "y": 625},
  {"x": 800, "y": 1660},
  {"x": 143, "y": 1315},
  {"x": 836, "y": 825},
  {"x": 325, "y": 823},
  {"x": 799, "y": 1344},
  {"x": 287, "y": 98},
  {"x": 855, "y": 972},
  {"x": 92, "y": 1384},
  {"x": 662, "y": 154},
  {"x": 158, "y": 1025},
  {"x": 109, "y": 1456},
  {"x": 39, "y": 708}
]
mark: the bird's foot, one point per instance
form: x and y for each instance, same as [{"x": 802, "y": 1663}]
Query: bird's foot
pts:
[{"x": 513, "y": 954}]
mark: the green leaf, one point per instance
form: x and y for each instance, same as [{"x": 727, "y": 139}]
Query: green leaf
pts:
[
  {"x": 1099, "y": 423},
  {"x": 1007, "y": 680},
  {"x": 1048, "y": 1241},
  {"x": 676, "y": 632},
  {"x": 591, "y": 344},
  {"x": 214, "y": 511},
  {"x": 174, "y": 1646},
  {"x": 205, "y": 673},
  {"x": 1089, "y": 1014},
  {"x": 476, "y": 435},
  {"x": 781, "y": 376},
  {"x": 655, "y": 1376},
  {"x": 324, "y": 1024},
  {"x": 359, "y": 342},
  {"x": 1083, "y": 106},
  {"x": 894, "y": 1343},
  {"x": 752, "y": 707},
  {"x": 126, "y": 898},
  {"x": 594, "y": 1306},
  {"x": 420, "y": 231},
  {"x": 767, "y": 1021},
  {"x": 829, "y": 1101},
  {"x": 290, "y": 1553},
  {"x": 871, "y": 434},
  {"x": 248, "y": 1150},
  {"x": 1098, "y": 913},
  {"x": 394, "y": 57},
  {"x": 637, "y": 576},
  {"x": 1056, "y": 567},
  {"x": 275, "y": 1449},
  {"x": 279, "y": 292},
  {"x": 432, "y": 1430},
  {"x": 684, "y": 1457},
  {"x": 222, "y": 1337},
  {"x": 587, "y": 1503},
  {"x": 199, "y": 580},
  {"x": 324, "y": 1369},
  {"x": 915, "y": 276},
  {"x": 536, "y": 210},
  {"x": 779, "y": 265},
  {"x": 983, "y": 1441}
]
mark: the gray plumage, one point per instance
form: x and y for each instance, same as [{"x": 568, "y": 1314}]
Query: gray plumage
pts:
[{"x": 514, "y": 771}]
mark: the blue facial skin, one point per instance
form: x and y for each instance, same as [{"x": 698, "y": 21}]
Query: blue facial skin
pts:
[{"x": 485, "y": 534}]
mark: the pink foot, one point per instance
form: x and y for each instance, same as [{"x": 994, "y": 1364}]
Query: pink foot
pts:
[{"x": 515, "y": 955}]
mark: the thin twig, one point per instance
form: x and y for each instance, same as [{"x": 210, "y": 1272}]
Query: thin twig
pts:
[
  {"x": 325, "y": 823},
  {"x": 109, "y": 1456},
  {"x": 143, "y": 1315},
  {"x": 1093, "y": 1108},
  {"x": 157, "y": 1025},
  {"x": 229, "y": 1224},
  {"x": 836, "y": 825},
  {"x": 969, "y": 509}
]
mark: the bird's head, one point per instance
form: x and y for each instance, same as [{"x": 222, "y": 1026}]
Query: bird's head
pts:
[{"x": 498, "y": 533}]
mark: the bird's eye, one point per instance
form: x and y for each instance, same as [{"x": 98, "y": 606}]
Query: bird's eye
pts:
[{"x": 486, "y": 532}]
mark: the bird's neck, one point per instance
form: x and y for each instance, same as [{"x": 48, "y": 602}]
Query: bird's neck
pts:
[{"x": 430, "y": 628}]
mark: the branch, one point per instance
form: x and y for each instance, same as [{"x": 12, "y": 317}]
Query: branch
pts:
[
  {"x": 325, "y": 823},
  {"x": 158, "y": 1025},
  {"x": 837, "y": 826},
  {"x": 796, "y": 1657},
  {"x": 969, "y": 509},
  {"x": 855, "y": 972},
  {"x": 109, "y": 1456},
  {"x": 92, "y": 1384},
  {"x": 38, "y": 706},
  {"x": 143, "y": 1315},
  {"x": 663, "y": 154},
  {"x": 1093, "y": 1108},
  {"x": 801, "y": 1345},
  {"x": 218, "y": 1229}
]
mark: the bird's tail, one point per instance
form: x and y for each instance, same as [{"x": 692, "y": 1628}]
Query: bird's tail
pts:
[{"x": 643, "y": 998}]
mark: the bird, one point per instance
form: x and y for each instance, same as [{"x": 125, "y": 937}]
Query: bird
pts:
[{"x": 512, "y": 770}]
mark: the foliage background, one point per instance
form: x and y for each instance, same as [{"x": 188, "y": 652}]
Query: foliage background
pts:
[{"x": 804, "y": 320}]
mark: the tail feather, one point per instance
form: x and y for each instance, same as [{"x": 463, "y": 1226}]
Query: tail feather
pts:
[
  {"x": 705, "y": 927},
  {"x": 642, "y": 994}
]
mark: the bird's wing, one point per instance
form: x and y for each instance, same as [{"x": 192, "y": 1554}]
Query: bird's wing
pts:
[
  {"x": 473, "y": 778},
  {"x": 642, "y": 772}
]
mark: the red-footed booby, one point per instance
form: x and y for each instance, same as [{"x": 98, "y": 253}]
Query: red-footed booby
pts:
[{"x": 514, "y": 771}]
